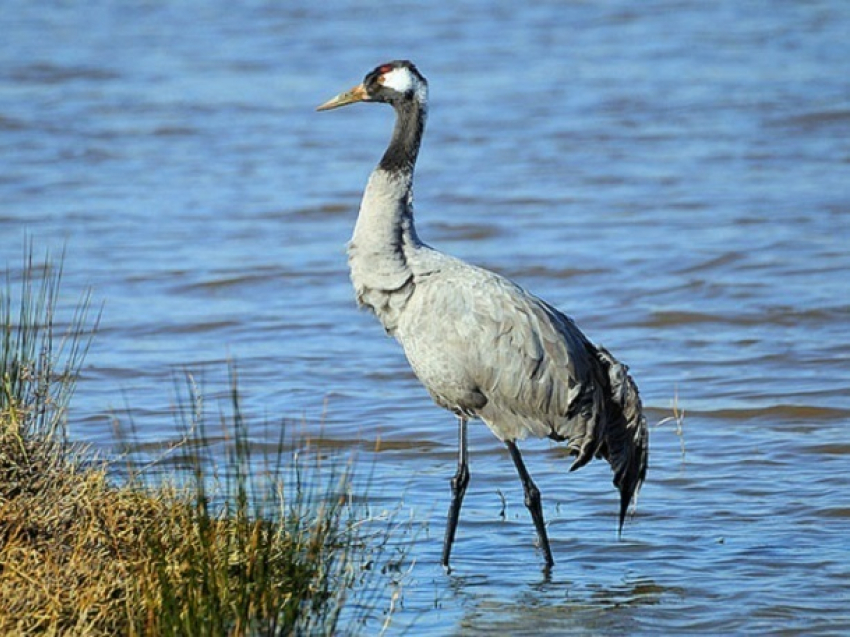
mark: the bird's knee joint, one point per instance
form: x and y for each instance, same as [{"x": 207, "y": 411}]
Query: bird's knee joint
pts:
[
  {"x": 532, "y": 497},
  {"x": 460, "y": 480}
]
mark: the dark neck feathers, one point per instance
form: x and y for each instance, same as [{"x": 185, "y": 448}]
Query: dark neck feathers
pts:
[{"x": 401, "y": 154}]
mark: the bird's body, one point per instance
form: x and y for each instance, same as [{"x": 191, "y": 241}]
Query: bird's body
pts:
[{"x": 481, "y": 345}]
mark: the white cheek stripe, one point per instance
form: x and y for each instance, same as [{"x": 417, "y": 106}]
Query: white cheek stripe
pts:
[{"x": 399, "y": 80}]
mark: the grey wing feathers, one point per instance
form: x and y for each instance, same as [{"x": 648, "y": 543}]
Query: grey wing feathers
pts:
[
  {"x": 537, "y": 370},
  {"x": 560, "y": 385}
]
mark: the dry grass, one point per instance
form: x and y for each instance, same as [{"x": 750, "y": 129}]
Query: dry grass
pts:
[
  {"x": 69, "y": 547},
  {"x": 82, "y": 553}
]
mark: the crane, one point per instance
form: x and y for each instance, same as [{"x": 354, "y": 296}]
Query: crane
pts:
[{"x": 482, "y": 346}]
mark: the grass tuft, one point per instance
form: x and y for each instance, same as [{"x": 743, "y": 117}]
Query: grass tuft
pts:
[{"x": 250, "y": 546}]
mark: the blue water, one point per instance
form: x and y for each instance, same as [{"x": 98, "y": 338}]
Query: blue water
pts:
[{"x": 674, "y": 175}]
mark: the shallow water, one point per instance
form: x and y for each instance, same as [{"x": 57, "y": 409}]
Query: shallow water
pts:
[{"x": 674, "y": 176}]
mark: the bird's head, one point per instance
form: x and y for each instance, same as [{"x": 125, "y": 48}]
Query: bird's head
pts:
[{"x": 396, "y": 83}]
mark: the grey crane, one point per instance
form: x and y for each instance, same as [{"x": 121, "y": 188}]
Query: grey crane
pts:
[{"x": 481, "y": 345}]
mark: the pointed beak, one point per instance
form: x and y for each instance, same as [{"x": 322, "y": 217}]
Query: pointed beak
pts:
[{"x": 357, "y": 94}]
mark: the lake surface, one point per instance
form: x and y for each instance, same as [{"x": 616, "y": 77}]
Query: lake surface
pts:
[{"x": 674, "y": 175}]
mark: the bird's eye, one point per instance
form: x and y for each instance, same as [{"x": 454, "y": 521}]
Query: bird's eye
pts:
[{"x": 381, "y": 79}]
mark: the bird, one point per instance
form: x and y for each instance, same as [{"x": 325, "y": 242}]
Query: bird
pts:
[{"x": 484, "y": 348}]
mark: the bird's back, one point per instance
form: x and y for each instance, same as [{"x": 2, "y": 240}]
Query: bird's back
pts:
[{"x": 484, "y": 347}]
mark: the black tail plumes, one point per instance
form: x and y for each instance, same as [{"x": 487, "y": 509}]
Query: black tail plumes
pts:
[{"x": 626, "y": 436}]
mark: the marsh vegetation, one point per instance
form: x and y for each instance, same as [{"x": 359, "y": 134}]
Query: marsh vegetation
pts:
[{"x": 89, "y": 545}]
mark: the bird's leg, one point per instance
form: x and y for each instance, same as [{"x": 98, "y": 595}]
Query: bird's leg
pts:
[
  {"x": 532, "y": 501},
  {"x": 459, "y": 483}
]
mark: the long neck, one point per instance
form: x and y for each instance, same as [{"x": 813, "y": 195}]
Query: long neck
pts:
[
  {"x": 401, "y": 154},
  {"x": 384, "y": 236},
  {"x": 385, "y": 222}
]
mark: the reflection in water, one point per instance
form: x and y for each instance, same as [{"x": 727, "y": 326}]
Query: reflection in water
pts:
[{"x": 558, "y": 607}]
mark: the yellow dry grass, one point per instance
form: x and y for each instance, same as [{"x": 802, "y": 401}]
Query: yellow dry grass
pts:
[{"x": 82, "y": 553}]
